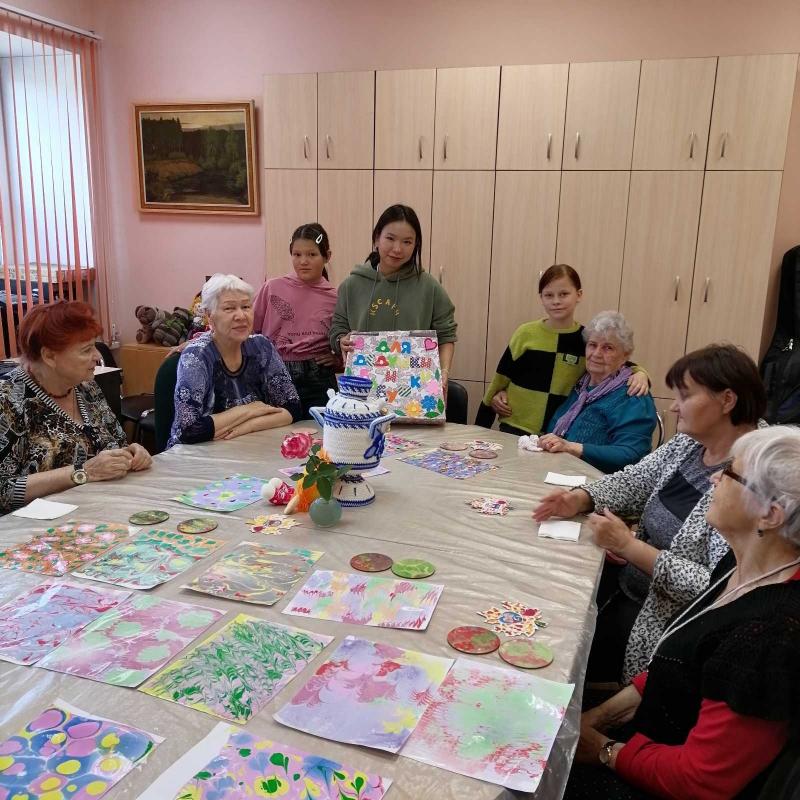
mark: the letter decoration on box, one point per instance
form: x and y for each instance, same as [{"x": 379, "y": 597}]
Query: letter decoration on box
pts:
[{"x": 404, "y": 369}]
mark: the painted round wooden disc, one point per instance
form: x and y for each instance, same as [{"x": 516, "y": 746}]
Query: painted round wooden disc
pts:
[
  {"x": 526, "y": 653},
  {"x": 371, "y": 562},
  {"x": 413, "y": 568},
  {"x": 197, "y": 525},
  {"x": 456, "y": 446},
  {"x": 483, "y": 454},
  {"x": 147, "y": 517},
  {"x": 473, "y": 639}
]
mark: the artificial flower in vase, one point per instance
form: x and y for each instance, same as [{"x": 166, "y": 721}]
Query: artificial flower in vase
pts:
[{"x": 314, "y": 487}]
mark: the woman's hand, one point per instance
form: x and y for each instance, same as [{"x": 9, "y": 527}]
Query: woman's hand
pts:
[
  {"x": 328, "y": 360},
  {"x": 610, "y": 532},
  {"x": 638, "y": 384},
  {"x": 590, "y": 744},
  {"x": 141, "y": 458},
  {"x": 562, "y": 503},
  {"x": 500, "y": 404},
  {"x": 345, "y": 344},
  {"x": 109, "y": 465},
  {"x": 551, "y": 443}
]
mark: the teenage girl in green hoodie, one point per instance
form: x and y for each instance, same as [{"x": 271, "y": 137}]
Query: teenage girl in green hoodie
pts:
[{"x": 391, "y": 292}]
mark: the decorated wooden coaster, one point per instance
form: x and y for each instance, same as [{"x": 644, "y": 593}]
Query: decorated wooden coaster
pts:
[
  {"x": 148, "y": 517},
  {"x": 473, "y": 639},
  {"x": 413, "y": 568},
  {"x": 483, "y": 454},
  {"x": 454, "y": 446},
  {"x": 526, "y": 653},
  {"x": 371, "y": 562},
  {"x": 197, "y": 525}
]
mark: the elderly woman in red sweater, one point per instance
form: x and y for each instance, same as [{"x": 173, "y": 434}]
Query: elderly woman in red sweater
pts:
[{"x": 721, "y": 696}]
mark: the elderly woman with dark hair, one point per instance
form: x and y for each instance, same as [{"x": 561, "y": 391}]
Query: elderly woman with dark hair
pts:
[
  {"x": 599, "y": 422},
  {"x": 721, "y": 695},
  {"x": 230, "y": 382},
  {"x": 719, "y": 398}
]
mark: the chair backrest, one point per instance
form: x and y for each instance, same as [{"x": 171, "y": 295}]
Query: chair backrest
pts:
[
  {"x": 164, "y": 391},
  {"x": 456, "y": 409},
  {"x": 105, "y": 354},
  {"x": 659, "y": 430}
]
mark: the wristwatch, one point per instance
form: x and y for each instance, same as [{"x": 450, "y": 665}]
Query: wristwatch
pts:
[
  {"x": 79, "y": 476},
  {"x": 605, "y": 752}
]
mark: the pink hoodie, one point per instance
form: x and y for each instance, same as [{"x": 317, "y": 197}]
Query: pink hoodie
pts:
[{"x": 295, "y": 316}]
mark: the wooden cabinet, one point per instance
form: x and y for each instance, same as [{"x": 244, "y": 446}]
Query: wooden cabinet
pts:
[
  {"x": 290, "y": 201},
  {"x": 591, "y": 235},
  {"x": 466, "y": 118},
  {"x": 601, "y": 115},
  {"x": 663, "y": 215},
  {"x": 404, "y": 110},
  {"x": 523, "y": 246},
  {"x": 289, "y": 120},
  {"x": 411, "y": 188},
  {"x": 461, "y": 252},
  {"x": 346, "y": 120},
  {"x": 345, "y": 211},
  {"x": 752, "y": 106},
  {"x": 673, "y": 113},
  {"x": 530, "y": 131},
  {"x": 139, "y": 364}
]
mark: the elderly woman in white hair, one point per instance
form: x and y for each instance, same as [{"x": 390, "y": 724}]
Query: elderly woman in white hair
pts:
[
  {"x": 599, "y": 422},
  {"x": 230, "y": 382},
  {"x": 720, "y": 698}
]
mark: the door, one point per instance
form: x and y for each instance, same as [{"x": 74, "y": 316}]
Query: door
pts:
[
  {"x": 289, "y": 118},
  {"x": 734, "y": 250},
  {"x": 752, "y": 106},
  {"x": 411, "y": 188},
  {"x": 674, "y": 113},
  {"x": 346, "y": 120},
  {"x": 591, "y": 235},
  {"x": 290, "y": 201},
  {"x": 523, "y": 246},
  {"x": 404, "y": 110},
  {"x": 533, "y": 101},
  {"x": 345, "y": 211},
  {"x": 461, "y": 252},
  {"x": 601, "y": 115},
  {"x": 466, "y": 117},
  {"x": 663, "y": 215}
]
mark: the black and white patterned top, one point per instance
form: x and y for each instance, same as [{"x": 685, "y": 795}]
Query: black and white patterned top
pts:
[
  {"x": 36, "y": 435},
  {"x": 682, "y": 569}
]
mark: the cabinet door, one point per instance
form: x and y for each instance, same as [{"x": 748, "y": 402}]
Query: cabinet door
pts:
[
  {"x": 752, "y": 105},
  {"x": 290, "y": 201},
  {"x": 346, "y": 120},
  {"x": 461, "y": 252},
  {"x": 345, "y": 211},
  {"x": 466, "y": 117},
  {"x": 591, "y": 235},
  {"x": 523, "y": 246},
  {"x": 734, "y": 249},
  {"x": 663, "y": 215},
  {"x": 674, "y": 113},
  {"x": 404, "y": 109},
  {"x": 289, "y": 118},
  {"x": 533, "y": 100},
  {"x": 411, "y": 188},
  {"x": 601, "y": 115}
]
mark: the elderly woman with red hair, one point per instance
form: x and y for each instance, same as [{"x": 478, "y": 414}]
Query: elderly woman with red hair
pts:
[{"x": 56, "y": 429}]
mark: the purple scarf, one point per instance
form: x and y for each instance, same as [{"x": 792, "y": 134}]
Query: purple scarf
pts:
[{"x": 585, "y": 397}]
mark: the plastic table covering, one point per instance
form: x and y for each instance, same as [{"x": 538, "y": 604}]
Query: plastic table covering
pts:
[{"x": 481, "y": 560}]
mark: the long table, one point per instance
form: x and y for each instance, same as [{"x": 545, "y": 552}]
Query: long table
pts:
[{"x": 481, "y": 560}]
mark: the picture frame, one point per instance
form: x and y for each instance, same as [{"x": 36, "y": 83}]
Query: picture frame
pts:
[{"x": 197, "y": 158}]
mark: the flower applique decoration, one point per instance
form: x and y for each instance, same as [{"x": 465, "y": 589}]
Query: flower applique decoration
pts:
[
  {"x": 490, "y": 506},
  {"x": 271, "y": 523},
  {"x": 514, "y": 619}
]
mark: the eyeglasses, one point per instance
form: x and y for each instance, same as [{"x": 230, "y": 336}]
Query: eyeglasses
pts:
[{"x": 735, "y": 476}]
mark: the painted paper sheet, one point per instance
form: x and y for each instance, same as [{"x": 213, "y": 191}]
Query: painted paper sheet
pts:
[
  {"x": 256, "y": 573},
  {"x": 366, "y": 600},
  {"x": 229, "y": 494},
  {"x": 236, "y": 671},
  {"x": 38, "y": 621},
  {"x": 149, "y": 559},
  {"x": 491, "y": 723},
  {"x": 394, "y": 444},
  {"x": 231, "y": 764},
  {"x": 67, "y": 753},
  {"x": 129, "y": 643},
  {"x": 452, "y": 465},
  {"x": 63, "y": 548},
  {"x": 404, "y": 369}
]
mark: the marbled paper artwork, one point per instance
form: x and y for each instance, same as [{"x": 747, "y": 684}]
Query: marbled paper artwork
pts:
[
  {"x": 394, "y": 444},
  {"x": 451, "y": 465},
  {"x": 229, "y": 494}
]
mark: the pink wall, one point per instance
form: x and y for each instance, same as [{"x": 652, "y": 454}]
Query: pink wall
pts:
[{"x": 212, "y": 50}]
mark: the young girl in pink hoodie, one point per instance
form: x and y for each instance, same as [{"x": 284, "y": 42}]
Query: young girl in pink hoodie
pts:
[{"x": 295, "y": 313}]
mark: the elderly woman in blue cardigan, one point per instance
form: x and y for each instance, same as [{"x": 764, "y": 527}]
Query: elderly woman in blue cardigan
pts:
[{"x": 599, "y": 422}]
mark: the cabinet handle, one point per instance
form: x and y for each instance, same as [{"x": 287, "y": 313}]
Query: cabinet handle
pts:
[
  {"x": 420, "y": 148},
  {"x": 327, "y": 146},
  {"x": 549, "y": 144},
  {"x": 305, "y": 148},
  {"x": 444, "y": 147},
  {"x": 705, "y": 294},
  {"x": 577, "y": 144},
  {"x": 724, "y": 144},
  {"x": 692, "y": 140},
  {"x": 441, "y": 275},
  {"x": 677, "y": 284}
]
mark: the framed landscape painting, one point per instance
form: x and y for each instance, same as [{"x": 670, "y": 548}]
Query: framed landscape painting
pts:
[{"x": 197, "y": 158}]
